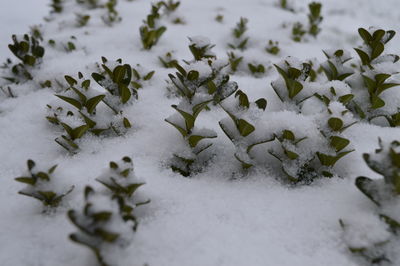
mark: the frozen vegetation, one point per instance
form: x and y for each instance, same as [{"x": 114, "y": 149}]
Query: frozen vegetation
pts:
[{"x": 200, "y": 133}]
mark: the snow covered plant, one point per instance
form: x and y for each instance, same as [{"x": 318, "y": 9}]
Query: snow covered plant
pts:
[
  {"x": 272, "y": 47},
  {"x": 234, "y": 61},
  {"x": 140, "y": 75},
  {"x": 102, "y": 225},
  {"x": 40, "y": 185},
  {"x": 57, "y": 6},
  {"x": 296, "y": 164},
  {"x": 239, "y": 127},
  {"x": 151, "y": 31},
  {"x": 204, "y": 75},
  {"x": 256, "y": 69},
  {"x": 200, "y": 47},
  {"x": 286, "y": 5},
  {"x": 240, "y": 39},
  {"x": 298, "y": 32},
  {"x": 120, "y": 179},
  {"x": 170, "y": 5},
  {"x": 82, "y": 19},
  {"x": 184, "y": 121},
  {"x": 168, "y": 60},
  {"x": 116, "y": 79},
  {"x": 112, "y": 16},
  {"x": 85, "y": 101},
  {"x": 383, "y": 247},
  {"x": 29, "y": 51},
  {"x": 374, "y": 45},
  {"x": 314, "y": 18},
  {"x": 373, "y": 98},
  {"x": 334, "y": 67},
  {"x": 333, "y": 123},
  {"x": 289, "y": 88}
]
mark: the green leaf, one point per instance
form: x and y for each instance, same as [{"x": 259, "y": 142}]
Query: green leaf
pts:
[
  {"x": 189, "y": 119},
  {"x": 243, "y": 100},
  {"x": 194, "y": 139},
  {"x": 126, "y": 123},
  {"x": 30, "y": 164},
  {"x": 125, "y": 93},
  {"x": 363, "y": 56},
  {"x": 70, "y": 80},
  {"x": 377, "y": 50},
  {"x": 345, "y": 99},
  {"x": 369, "y": 188},
  {"x": 93, "y": 102},
  {"x": 199, "y": 107},
  {"x": 149, "y": 75},
  {"x": 365, "y": 35},
  {"x": 26, "y": 180},
  {"x": 291, "y": 155},
  {"x": 261, "y": 103},
  {"x": 79, "y": 131},
  {"x": 376, "y": 102},
  {"x": 71, "y": 101},
  {"x": 193, "y": 75},
  {"x": 244, "y": 127},
  {"x": 336, "y": 124},
  {"x": 339, "y": 143},
  {"x": 97, "y": 77},
  {"x": 181, "y": 130}
]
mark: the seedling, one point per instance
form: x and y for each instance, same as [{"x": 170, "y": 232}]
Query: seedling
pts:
[
  {"x": 334, "y": 67},
  {"x": 150, "y": 32},
  {"x": 57, "y": 6},
  {"x": 101, "y": 223},
  {"x": 194, "y": 138},
  {"x": 295, "y": 164},
  {"x": 168, "y": 61},
  {"x": 332, "y": 131},
  {"x": 239, "y": 130},
  {"x": 82, "y": 19},
  {"x": 384, "y": 193},
  {"x": 256, "y": 70},
  {"x": 272, "y": 47},
  {"x": 112, "y": 15},
  {"x": 314, "y": 18},
  {"x": 40, "y": 186},
  {"x": 120, "y": 178},
  {"x": 28, "y": 50},
  {"x": 219, "y": 18},
  {"x": 85, "y": 101},
  {"x": 170, "y": 6},
  {"x": 201, "y": 48},
  {"x": 240, "y": 40},
  {"x": 234, "y": 61},
  {"x": 374, "y": 46},
  {"x": 213, "y": 82},
  {"x": 386, "y": 162},
  {"x": 117, "y": 82},
  {"x": 293, "y": 78},
  {"x": 298, "y": 32},
  {"x": 286, "y": 5},
  {"x": 140, "y": 76}
]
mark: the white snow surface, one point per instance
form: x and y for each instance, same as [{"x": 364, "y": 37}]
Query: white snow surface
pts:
[{"x": 208, "y": 219}]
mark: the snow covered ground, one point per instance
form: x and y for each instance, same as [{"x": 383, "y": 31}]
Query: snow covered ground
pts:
[{"x": 209, "y": 218}]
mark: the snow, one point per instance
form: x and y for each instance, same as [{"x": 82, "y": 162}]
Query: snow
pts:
[{"x": 216, "y": 217}]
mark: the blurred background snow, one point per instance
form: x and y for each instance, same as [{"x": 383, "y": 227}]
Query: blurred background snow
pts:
[{"x": 15, "y": 17}]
